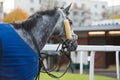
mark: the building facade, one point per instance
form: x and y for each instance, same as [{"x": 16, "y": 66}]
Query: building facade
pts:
[
  {"x": 50, "y": 4},
  {"x": 1, "y": 10},
  {"x": 30, "y": 6},
  {"x": 84, "y": 12},
  {"x": 114, "y": 10}
]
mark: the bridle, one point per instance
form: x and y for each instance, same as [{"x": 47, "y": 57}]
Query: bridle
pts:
[{"x": 63, "y": 49}]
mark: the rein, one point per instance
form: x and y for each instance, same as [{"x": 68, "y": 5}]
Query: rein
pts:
[{"x": 62, "y": 50}]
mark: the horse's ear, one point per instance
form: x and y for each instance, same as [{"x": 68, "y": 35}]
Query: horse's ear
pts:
[{"x": 66, "y": 10}]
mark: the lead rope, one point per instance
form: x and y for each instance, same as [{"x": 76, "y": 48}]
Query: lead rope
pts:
[
  {"x": 57, "y": 77},
  {"x": 41, "y": 62},
  {"x": 52, "y": 75},
  {"x": 38, "y": 53}
]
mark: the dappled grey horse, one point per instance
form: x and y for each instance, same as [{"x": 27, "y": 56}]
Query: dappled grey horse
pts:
[{"x": 22, "y": 42}]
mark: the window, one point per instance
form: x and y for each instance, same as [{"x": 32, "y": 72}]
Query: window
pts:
[
  {"x": 103, "y": 6},
  {"x": 82, "y": 5},
  {"x": 1, "y": 7},
  {"x": 75, "y": 13},
  {"x": 82, "y": 13},
  {"x": 96, "y": 14},
  {"x": 32, "y": 1},
  {"x": 32, "y": 10},
  {"x": 40, "y": 1},
  {"x": 95, "y": 6}
]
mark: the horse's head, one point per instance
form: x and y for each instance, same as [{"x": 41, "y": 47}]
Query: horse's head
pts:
[
  {"x": 63, "y": 30},
  {"x": 48, "y": 23}
]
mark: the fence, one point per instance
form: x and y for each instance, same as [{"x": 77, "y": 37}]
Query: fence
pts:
[{"x": 92, "y": 49}]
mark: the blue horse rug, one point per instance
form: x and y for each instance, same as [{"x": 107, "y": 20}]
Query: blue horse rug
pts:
[{"x": 17, "y": 60}]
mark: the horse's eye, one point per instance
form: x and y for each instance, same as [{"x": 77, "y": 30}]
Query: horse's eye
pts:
[
  {"x": 70, "y": 22},
  {"x": 68, "y": 13}
]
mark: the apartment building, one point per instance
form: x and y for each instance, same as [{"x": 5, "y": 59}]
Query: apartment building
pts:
[
  {"x": 1, "y": 10},
  {"x": 84, "y": 12},
  {"x": 30, "y": 6}
]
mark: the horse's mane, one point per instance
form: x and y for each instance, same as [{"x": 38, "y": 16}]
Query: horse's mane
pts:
[
  {"x": 40, "y": 13},
  {"x": 29, "y": 23}
]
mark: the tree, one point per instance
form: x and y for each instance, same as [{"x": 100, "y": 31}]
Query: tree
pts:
[
  {"x": 15, "y": 16},
  {"x": 117, "y": 16}
]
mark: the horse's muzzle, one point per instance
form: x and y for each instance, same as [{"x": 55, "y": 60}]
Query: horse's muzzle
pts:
[{"x": 71, "y": 45}]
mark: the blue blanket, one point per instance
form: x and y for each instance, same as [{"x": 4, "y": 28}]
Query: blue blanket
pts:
[{"x": 17, "y": 60}]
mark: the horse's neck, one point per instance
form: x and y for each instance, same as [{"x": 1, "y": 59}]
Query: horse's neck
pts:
[
  {"x": 24, "y": 35},
  {"x": 41, "y": 32}
]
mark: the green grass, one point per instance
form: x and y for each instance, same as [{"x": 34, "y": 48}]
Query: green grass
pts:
[{"x": 70, "y": 76}]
